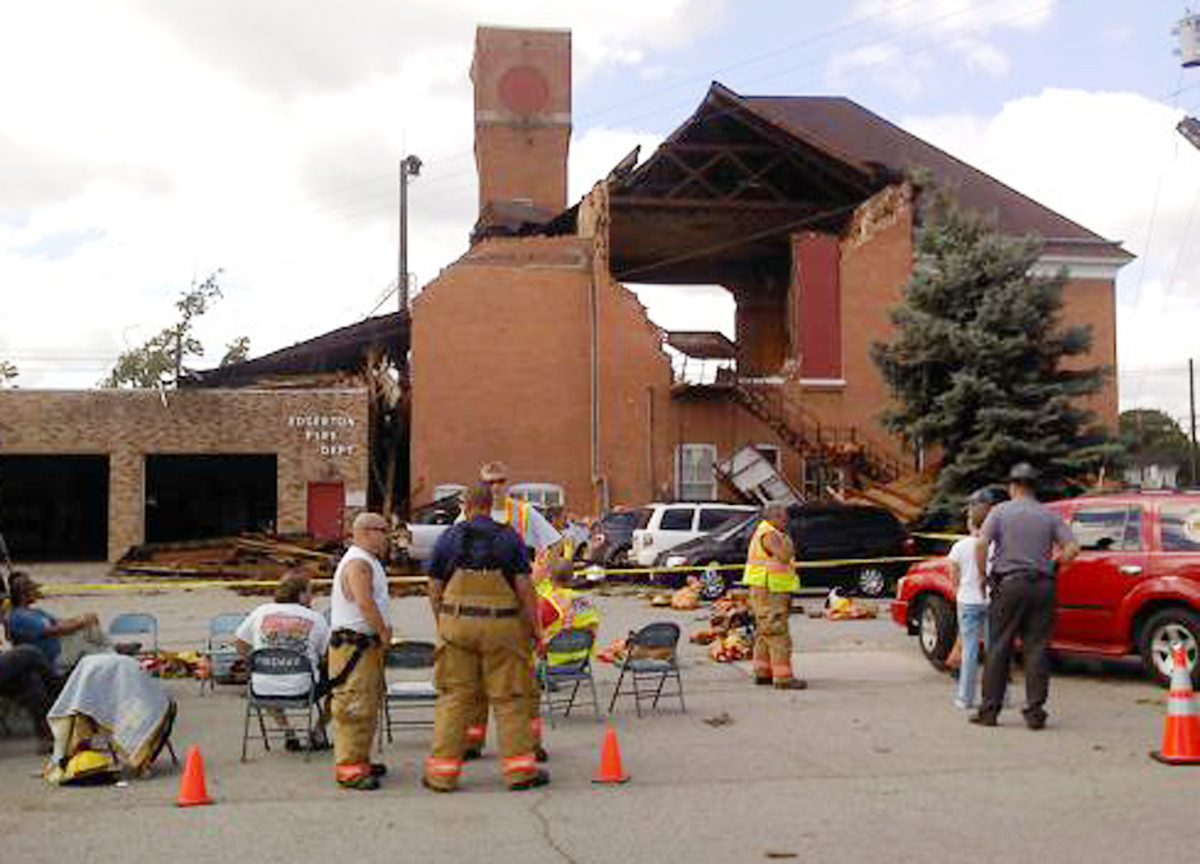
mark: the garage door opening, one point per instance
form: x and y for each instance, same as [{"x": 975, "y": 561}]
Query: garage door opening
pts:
[
  {"x": 54, "y": 508},
  {"x": 197, "y": 497}
]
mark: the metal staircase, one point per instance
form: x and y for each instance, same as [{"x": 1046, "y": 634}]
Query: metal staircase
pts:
[{"x": 863, "y": 461}]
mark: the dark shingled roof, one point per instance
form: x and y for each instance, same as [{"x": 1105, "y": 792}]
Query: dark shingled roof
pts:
[
  {"x": 842, "y": 126},
  {"x": 341, "y": 350}
]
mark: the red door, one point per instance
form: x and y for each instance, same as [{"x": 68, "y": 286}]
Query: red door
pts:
[{"x": 325, "y": 510}]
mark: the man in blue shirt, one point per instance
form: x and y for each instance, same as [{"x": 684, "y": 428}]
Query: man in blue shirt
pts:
[{"x": 29, "y": 626}]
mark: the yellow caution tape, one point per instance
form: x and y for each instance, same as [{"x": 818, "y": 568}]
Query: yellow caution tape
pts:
[
  {"x": 800, "y": 565},
  {"x": 169, "y": 584},
  {"x": 192, "y": 584}
]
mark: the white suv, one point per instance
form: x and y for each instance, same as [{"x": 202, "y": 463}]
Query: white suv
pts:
[{"x": 667, "y": 525}]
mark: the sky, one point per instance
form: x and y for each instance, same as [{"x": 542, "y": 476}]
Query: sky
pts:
[{"x": 146, "y": 144}]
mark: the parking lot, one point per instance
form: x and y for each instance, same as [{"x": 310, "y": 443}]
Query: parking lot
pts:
[{"x": 872, "y": 763}]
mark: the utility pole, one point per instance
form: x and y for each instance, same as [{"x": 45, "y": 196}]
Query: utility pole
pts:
[
  {"x": 410, "y": 166},
  {"x": 1192, "y": 399}
]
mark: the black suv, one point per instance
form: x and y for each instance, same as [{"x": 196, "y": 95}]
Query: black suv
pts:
[{"x": 821, "y": 531}]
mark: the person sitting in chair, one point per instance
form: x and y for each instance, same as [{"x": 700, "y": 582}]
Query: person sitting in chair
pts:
[
  {"x": 288, "y": 623},
  {"x": 564, "y": 608},
  {"x": 36, "y": 627}
]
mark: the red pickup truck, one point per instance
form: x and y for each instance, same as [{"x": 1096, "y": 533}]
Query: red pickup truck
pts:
[{"x": 1134, "y": 588}]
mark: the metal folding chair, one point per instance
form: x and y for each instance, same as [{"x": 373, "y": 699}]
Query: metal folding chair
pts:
[
  {"x": 220, "y": 648},
  {"x": 555, "y": 679},
  {"x": 136, "y": 624},
  {"x": 651, "y": 658},
  {"x": 414, "y": 698},
  {"x": 280, "y": 661}
]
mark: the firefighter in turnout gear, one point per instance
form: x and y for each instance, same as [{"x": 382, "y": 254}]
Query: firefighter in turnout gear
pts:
[
  {"x": 539, "y": 535},
  {"x": 772, "y": 581},
  {"x": 360, "y": 620},
  {"x": 486, "y": 613}
]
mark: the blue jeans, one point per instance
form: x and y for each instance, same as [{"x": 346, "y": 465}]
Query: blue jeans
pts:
[{"x": 972, "y": 626}]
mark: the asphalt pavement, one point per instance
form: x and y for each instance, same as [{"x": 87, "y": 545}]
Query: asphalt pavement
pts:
[{"x": 872, "y": 763}]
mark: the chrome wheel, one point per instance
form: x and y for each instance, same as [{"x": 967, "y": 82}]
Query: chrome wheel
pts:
[
  {"x": 872, "y": 581},
  {"x": 1166, "y": 635},
  {"x": 712, "y": 582},
  {"x": 930, "y": 629}
]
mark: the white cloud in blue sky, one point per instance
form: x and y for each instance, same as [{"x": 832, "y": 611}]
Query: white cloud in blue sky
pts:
[{"x": 149, "y": 143}]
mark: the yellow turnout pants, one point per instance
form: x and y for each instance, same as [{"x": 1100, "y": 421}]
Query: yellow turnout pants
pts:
[
  {"x": 772, "y": 641},
  {"x": 481, "y": 659},
  {"x": 355, "y": 706}
]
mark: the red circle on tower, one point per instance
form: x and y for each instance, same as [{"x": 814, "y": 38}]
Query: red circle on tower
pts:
[{"x": 524, "y": 90}]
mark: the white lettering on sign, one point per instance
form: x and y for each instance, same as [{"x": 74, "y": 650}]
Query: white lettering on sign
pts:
[
  {"x": 322, "y": 430},
  {"x": 321, "y": 420}
]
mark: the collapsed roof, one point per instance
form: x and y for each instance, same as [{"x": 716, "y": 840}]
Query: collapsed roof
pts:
[
  {"x": 725, "y": 190},
  {"x": 343, "y": 350}
]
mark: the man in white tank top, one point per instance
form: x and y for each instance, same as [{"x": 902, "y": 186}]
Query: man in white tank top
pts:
[{"x": 360, "y": 618}]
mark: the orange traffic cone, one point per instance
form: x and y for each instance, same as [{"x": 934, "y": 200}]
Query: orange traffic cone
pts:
[
  {"x": 610, "y": 761},
  {"x": 1181, "y": 735},
  {"x": 192, "y": 790}
]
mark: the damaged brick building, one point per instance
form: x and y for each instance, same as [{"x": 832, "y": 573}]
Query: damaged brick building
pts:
[{"x": 530, "y": 349}]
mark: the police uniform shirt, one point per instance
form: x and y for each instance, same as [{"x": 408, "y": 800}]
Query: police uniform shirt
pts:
[
  {"x": 1024, "y": 532},
  {"x": 478, "y": 544}
]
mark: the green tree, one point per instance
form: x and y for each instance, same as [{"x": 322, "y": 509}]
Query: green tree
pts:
[
  {"x": 1151, "y": 436},
  {"x": 160, "y": 359},
  {"x": 237, "y": 351},
  {"x": 976, "y": 364},
  {"x": 7, "y": 372}
]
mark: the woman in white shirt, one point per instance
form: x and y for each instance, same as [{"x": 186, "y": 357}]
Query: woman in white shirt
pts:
[{"x": 972, "y": 603}]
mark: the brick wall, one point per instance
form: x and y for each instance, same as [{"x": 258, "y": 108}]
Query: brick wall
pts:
[
  {"x": 522, "y": 115},
  {"x": 316, "y": 435},
  {"x": 501, "y": 369},
  {"x": 1092, "y": 302}
]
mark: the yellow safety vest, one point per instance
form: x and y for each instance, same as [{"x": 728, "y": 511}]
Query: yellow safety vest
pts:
[
  {"x": 763, "y": 570},
  {"x": 516, "y": 515},
  {"x": 575, "y": 612}
]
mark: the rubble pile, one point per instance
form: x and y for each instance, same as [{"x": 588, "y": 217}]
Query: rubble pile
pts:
[
  {"x": 248, "y": 558},
  {"x": 729, "y": 635}
]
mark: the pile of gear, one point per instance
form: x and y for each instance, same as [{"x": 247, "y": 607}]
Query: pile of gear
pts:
[
  {"x": 730, "y": 632},
  {"x": 839, "y": 608}
]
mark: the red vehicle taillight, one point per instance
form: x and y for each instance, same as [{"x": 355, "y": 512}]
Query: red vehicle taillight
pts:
[{"x": 910, "y": 546}]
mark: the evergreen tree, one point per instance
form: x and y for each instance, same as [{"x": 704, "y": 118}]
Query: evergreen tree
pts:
[{"x": 976, "y": 366}]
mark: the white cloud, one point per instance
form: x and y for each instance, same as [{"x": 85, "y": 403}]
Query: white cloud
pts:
[
  {"x": 903, "y": 78},
  {"x": 1114, "y": 163},
  {"x": 961, "y": 27},
  {"x": 151, "y": 143}
]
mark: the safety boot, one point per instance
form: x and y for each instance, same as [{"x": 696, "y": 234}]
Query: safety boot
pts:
[
  {"x": 538, "y": 778},
  {"x": 791, "y": 684}
]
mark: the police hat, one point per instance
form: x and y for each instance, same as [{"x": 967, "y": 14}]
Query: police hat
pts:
[{"x": 1023, "y": 472}]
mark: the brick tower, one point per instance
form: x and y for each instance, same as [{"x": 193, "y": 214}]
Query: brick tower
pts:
[{"x": 522, "y": 117}]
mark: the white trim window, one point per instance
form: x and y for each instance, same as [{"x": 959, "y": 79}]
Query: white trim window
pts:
[{"x": 695, "y": 479}]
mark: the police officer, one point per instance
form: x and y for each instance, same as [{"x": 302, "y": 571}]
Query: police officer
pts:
[
  {"x": 1024, "y": 535},
  {"x": 486, "y": 612},
  {"x": 359, "y": 617}
]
